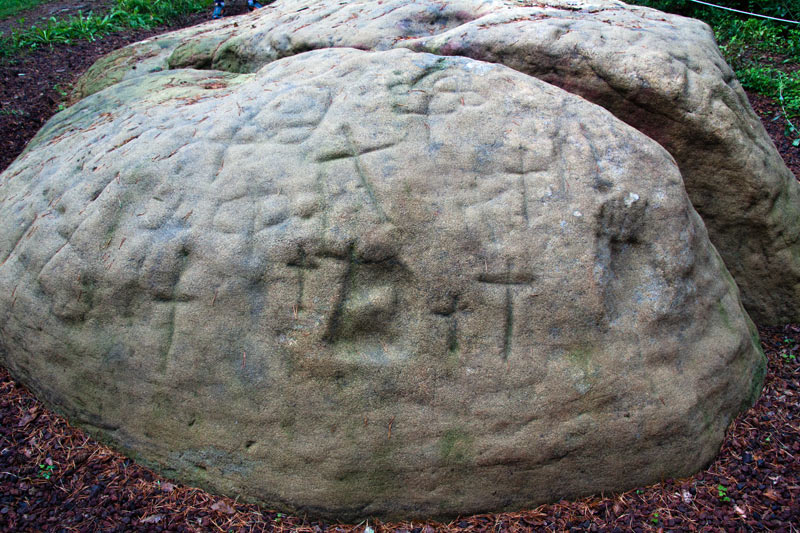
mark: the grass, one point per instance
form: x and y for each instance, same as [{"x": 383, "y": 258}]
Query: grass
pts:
[
  {"x": 64, "y": 31},
  {"x": 126, "y": 14},
  {"x": 765, "y": 54},
  {"x": 9, "y": 8}
]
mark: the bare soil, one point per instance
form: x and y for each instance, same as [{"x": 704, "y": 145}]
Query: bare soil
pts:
[{"x": 53, "y": 477}]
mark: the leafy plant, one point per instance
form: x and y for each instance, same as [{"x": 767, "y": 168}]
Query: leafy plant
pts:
[
  {"x": 63, "y": 94},
  {"x": 722, "y": 493},
  {"x": 741, "y": 37},
  {"x": 46, "y": 471},
  {"x": 789, "y": 347}
]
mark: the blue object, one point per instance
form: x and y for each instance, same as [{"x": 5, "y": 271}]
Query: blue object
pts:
[{"x": 219, "y": 5}]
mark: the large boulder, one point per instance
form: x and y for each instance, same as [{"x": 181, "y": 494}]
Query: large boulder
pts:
[
  {"x": 371, "y": 283},
  {"x": 660, "y": 73}
]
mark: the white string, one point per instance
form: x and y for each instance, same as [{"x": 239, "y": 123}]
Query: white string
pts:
[{"x": 745, "y": 12}]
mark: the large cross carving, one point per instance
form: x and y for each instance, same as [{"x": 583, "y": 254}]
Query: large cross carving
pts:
[{"x": 509, "y": 280}]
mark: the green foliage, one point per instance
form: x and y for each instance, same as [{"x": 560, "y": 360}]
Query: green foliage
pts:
[
  {"x": 63, "y": 94},
  {"x": 9, "y": 8},
  {"x": 46, "y": 471},
  {"x": 64, "y": 31},
  {"x": 788, "y": 349},
  {"x": 126, "y": 14},
  {"x": 722, "y": 494},
  {"x": 772, "y": 81},
  {"x": 738, "y": 35},
  {"x": 148, "y": 13}
]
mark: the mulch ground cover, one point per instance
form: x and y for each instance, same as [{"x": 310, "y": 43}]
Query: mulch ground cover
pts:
[
  {"x": 772, "y": 117},
  {"x": 53, "y": 477}
]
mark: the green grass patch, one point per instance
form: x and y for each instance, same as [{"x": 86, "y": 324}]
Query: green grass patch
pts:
[
  {"x": 127, "y": 14},
  {"x": 9, "y": 8},
  {"x": 737, "y": 36},
  {"x": 64, "y": 31},
  {"x": 146, "y": 13},
  {"x": 784, "y": 87}
]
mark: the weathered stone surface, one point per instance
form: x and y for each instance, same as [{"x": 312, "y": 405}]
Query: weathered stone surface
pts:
[
  {"x": 371, "y": 283},
  {"x": 660, "y": 73}
]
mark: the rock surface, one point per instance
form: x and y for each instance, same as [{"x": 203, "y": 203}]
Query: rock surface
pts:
[
  {"x": 660, "y": 73},
  {"x": 371, "y": 283}
]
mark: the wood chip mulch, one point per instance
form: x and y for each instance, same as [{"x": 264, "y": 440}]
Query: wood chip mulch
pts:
[{"x": 55, "y": 478}]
